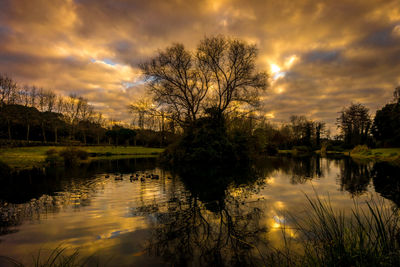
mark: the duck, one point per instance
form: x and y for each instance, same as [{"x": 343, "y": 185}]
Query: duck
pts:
[
  {"x": 107, "y": 176},
  {"x": 142, "y": 179},
  {"x": 155, "y": 176},
  {"x": 120, "y": 178}
]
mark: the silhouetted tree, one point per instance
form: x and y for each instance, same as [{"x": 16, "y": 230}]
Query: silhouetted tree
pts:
[
  {"x": 386, "y": 127},
  {"x": 219, "y": 72},
  {"x": 354, "y": 123},
  {"x": 8, "y": 89}
]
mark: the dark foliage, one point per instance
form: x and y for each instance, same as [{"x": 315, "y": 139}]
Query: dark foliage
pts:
[
  {"x": 386, "y": 128},
  {"x": 72, "y": 155}
]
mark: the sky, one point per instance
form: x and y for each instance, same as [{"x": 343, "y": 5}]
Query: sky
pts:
[{"x": 321, "y": 55}]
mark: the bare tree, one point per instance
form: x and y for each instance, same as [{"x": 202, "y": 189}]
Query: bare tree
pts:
[
  {"x": 396, "y": 95},
  {"x": 24, "y": 95},
  {"x": 84, "y": 116},
  {"x": 8, "y": 90},
  {"x": 141, "y": 108},
  {"x": 231, "y": 69},
  {"x": 220, "y": 72}
]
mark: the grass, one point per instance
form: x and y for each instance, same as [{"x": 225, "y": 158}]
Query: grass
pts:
[
  {"x": 57, "y": 257},
  {"x": 28, "y": 157},
  {"x": 379, "y": 154},
  {"x": 368, "y": 236}
]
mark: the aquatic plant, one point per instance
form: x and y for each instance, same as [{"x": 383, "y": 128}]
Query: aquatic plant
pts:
[
  {"x": 368, "y": 236},
  {"x": 57, "y": 257}
]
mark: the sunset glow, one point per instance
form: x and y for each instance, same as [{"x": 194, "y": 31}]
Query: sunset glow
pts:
[{"x": 345, "y": 50}]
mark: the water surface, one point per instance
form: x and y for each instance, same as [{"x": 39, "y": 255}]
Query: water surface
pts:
[{"x": 194, "y": 216}]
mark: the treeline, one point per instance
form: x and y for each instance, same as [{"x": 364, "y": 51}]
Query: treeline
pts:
[
  {"x": 30, "y": 114},
  {"x": 356, "y": 125}
]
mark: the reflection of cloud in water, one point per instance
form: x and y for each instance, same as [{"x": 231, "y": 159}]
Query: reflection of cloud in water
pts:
[{"x": 166, "y": 216}]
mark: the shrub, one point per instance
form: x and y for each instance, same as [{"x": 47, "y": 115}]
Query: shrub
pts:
[
  {"x": 72, "y": 155},
  {"x": 51, "y": 152},
  {"x": 360, "y": 149},
  {"x": 271, "y": 149},
  {"x": 5, "y": 170},
  {"x": 302, "y": 149}
]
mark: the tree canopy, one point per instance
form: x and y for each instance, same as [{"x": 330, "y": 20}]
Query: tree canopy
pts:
[
  {"x": 354, "y": 123},
  {"x": 220, "y": 72}
]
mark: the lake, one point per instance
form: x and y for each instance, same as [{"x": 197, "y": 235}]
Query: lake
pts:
[{"x": 187, "y": 216}]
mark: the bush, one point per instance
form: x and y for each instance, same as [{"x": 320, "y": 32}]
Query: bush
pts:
[
  {"x": 72, "y": 155},
  {"x": 51, "y": 152},
  {"x": 360, "y": 149},
  {"x": 5, "y": 170},
  {"x": 52, "y": 157},
  {"x": 302, "y": 149},
  {"x": 271, "y": 149}
]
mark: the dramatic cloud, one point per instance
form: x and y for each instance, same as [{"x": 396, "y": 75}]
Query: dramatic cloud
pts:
[{"x": 321, "y": 55}]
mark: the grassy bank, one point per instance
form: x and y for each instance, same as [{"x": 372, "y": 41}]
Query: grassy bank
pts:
[
  {"x": 379, "y": 154},
  {"x": 28, "y": 157}
]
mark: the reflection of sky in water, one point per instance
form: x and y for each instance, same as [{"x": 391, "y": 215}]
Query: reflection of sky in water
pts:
[{"x": 114, "y": 219}]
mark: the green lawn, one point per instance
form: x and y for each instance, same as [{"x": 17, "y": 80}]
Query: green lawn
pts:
[
  {"x": 28, "y": 157},
  {"x": 383, "y": 154}
]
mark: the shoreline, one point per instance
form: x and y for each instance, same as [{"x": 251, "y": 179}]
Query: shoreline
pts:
[{"x": 22, "y": 158}]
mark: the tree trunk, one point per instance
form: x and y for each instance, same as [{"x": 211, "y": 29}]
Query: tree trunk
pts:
[
  {"x": 98, "y": 139},
  {"x": 84, "y": 137},
  {"x": 27, "y": 132},
  {"x": 55, "y": 135},
  {"x": 9, "y": 129},
  {"x": 43, "y": 132}
]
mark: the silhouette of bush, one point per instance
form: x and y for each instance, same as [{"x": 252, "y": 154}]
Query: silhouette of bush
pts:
[
  {"x": 271, "y": 149},
  {"x": 52, "y": 157},
  {"x": 5, "y": 170},
  {"x": 360, "y": 149},
  {"x": 72, "y": 155},
  {"x": 51, "y": 152},
  {"x": 302, "y": 149}
]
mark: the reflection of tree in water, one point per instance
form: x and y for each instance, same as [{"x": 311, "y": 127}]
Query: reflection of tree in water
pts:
[
  {"x": 32, "y": 194},
  {"x": 355, "y": 177},
  {"x": 386, "y": 181},
  {"x": 301, "y": 169},
  {"x": 211, "y": 225}
]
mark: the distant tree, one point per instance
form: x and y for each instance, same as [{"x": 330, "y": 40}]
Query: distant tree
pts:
[
  {"x": 8, "y": 90},
  {"x": 29, "y": 116},
  {"x": 141, "y": 108},
  {"x": 386, "y": 127},
  {"x": 303, "y": 130},
  {"x": 221, "y": 71},
  {"x": 355, "y": 123},
  {"x": 396, "y": 95},
  {"x": 319, "y": 129}
]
